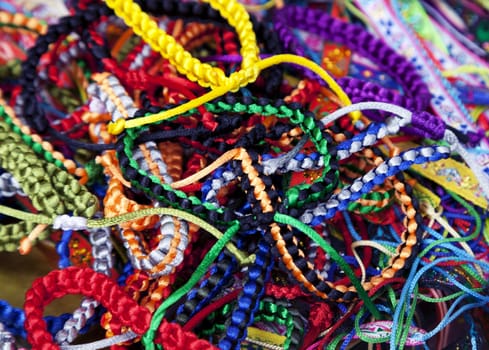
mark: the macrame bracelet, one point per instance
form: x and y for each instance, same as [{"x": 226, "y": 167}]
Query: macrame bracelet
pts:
[
  {"x": 204, "y": 74},
  {"x": 51, "y": 190},
  {"x": 204, "y": 12}
]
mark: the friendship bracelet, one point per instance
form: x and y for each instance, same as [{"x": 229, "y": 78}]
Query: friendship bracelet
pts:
[
  {"x": 75, "y": 280},
  {"x": 160, "y": 41},
  {"x": 43, "y": 191},
  {"x": 239, "y": 202}
]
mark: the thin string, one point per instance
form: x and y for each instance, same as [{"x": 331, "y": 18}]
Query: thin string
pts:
[
  {"x": 67, "y": 223},
  {"x": 429, "y": 210},
  {"x": 413, "y": 273},
  {"x": 364, "y": 243},
  {"x": 409, "y": 287}
]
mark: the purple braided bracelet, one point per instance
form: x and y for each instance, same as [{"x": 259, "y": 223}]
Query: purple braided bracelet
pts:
[
  {"x": 358, "y": 39},
  {"x": 417, "y": 96}
]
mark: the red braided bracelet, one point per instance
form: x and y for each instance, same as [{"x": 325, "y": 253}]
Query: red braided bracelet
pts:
[{"x": 75, "y": 280}]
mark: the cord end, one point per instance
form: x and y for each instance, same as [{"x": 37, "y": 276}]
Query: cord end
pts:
[
  {"x": 115, "y": 128},
  {"x": 355, "y": 116},
  {"x": 25, "y": 246}
]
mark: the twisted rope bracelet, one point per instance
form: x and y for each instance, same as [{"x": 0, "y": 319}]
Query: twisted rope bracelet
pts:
[
  {"x": 203, "y": 12},
  {"x": 204, "y": 74},
  {"x": 74, "y": 280}
]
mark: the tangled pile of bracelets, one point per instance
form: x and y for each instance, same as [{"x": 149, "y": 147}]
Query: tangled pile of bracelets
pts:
[{"x": 258, "y": 175}]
